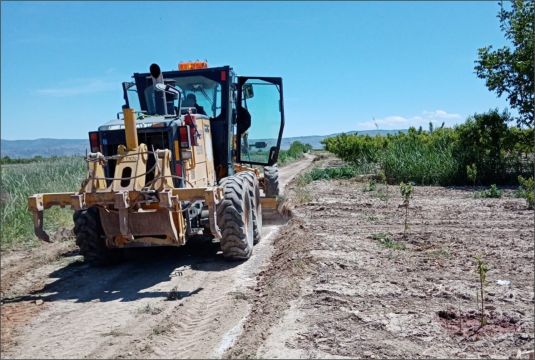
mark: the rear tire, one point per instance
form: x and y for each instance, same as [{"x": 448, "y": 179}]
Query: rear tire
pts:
[
  {"x": 271, "y": 181},
  {"x": 254, "y": 195},
  {"x": 91, "y": 240},
  {"x": 235, "y": 219}
]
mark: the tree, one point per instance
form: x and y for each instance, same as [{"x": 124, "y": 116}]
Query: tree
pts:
[
  {"x": 482, "y": 142},
  {"x": 510, "y": 70}
]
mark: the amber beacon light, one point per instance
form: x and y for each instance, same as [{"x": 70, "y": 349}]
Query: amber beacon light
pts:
[{"x": 192, "y": 65}]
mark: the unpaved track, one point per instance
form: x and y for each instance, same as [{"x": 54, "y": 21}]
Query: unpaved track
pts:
[{"x": 172, "y": 303}]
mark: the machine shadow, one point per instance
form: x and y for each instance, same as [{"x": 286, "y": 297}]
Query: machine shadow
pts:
[{"x": 133, "y": 278}]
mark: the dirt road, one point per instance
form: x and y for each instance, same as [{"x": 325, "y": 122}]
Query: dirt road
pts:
[{"x": 172, "y": 303}]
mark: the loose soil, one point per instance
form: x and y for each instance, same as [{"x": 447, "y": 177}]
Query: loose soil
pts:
[{"x": 344, "y": 281}]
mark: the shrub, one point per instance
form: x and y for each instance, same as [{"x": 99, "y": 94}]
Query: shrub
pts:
[{"x": 527, "y": 190}]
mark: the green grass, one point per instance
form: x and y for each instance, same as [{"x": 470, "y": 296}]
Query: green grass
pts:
[{"x": 18, "y": 181}]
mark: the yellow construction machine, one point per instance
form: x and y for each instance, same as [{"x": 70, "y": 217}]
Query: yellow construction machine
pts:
[{"x": 191, "y": 155}]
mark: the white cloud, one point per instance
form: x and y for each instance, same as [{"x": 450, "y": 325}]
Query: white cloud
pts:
[
  {"x": 396, "y": 122},
  {"x": 80, "y": 87}
]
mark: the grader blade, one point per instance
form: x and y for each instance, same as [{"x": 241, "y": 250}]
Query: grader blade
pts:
[{"x": 275, "y": 210}]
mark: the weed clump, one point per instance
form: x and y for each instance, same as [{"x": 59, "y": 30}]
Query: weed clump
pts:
[
  {"x": 387, "y": 241},
  {"x": 491, "y": 193}
]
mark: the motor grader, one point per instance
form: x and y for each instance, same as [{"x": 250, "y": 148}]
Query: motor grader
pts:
[{"x": 191, "y": 155}]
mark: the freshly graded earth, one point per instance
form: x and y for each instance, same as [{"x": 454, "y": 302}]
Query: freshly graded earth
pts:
[{"x": 344, "y": 281}]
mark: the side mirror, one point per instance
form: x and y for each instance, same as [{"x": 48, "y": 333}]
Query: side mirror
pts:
[
  {"x": 247, "y": 91},
  {"x": 167, "y": 88},
  {"x": 260, "y": 144}
]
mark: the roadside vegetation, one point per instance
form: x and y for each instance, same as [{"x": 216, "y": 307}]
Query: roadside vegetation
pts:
[
  {"x": 6, "y": 160},
  {"x": 23, "y": 179},
  {"x": 484, "y": 150},
  {"x": 296, "y": 151}
]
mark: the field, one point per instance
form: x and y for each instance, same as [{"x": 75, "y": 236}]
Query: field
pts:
[
  {"x": 21, "y": 180},
  {"x": 350, "y": 284}
]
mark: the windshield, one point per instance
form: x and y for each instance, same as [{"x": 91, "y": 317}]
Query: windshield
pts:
[{"x": 198, "y": 92}]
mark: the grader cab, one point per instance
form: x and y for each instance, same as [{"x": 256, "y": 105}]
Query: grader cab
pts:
[{"x": 192, "y": 154}]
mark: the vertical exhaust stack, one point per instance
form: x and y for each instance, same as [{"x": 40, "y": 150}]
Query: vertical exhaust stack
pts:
[
  {"x": 160, "y": 100},
  {"x": 130, "y": 129}
]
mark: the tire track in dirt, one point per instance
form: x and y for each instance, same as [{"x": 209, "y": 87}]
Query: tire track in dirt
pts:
[{"x": 123, "y": 311}]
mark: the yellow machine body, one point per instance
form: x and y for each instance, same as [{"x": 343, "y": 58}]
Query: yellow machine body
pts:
[{"x": 133, "y": 212}]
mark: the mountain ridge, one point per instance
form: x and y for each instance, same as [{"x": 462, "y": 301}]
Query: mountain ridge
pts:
[{"x": 47, "y": 147}]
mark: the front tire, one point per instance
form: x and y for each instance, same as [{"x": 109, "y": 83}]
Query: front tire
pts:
[
  {"x": 254, "y": 195},
  {"x": 235, "y": 219},
  {"x": 271, "y": 181}
]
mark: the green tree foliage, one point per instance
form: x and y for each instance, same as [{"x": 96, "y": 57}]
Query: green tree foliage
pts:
[
  {"x": 485, "y": 142},
  {"x": 482, "y": 141},
  {"x": 296, "y": 151},
  {"x": 510, "y": 70}
]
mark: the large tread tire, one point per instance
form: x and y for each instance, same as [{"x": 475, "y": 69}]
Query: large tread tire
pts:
[
  {"x": 271, "y": 181},
  {"x": 235, "y": 219},
  {"x": 254, "y": 195},
  {"x": 91, "y": 240}
]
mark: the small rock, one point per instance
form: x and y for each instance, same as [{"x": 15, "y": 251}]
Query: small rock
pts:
[{"x": 39, "y": 302}]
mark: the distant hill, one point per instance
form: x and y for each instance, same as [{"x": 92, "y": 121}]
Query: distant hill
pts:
[
  {"x": 315, "y": 140},
  {"x": 43, "y": 147},
  {"x": 76, "y": 147}
]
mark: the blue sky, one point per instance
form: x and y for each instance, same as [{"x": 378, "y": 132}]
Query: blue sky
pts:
[{"x": 346, "y": 65}]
